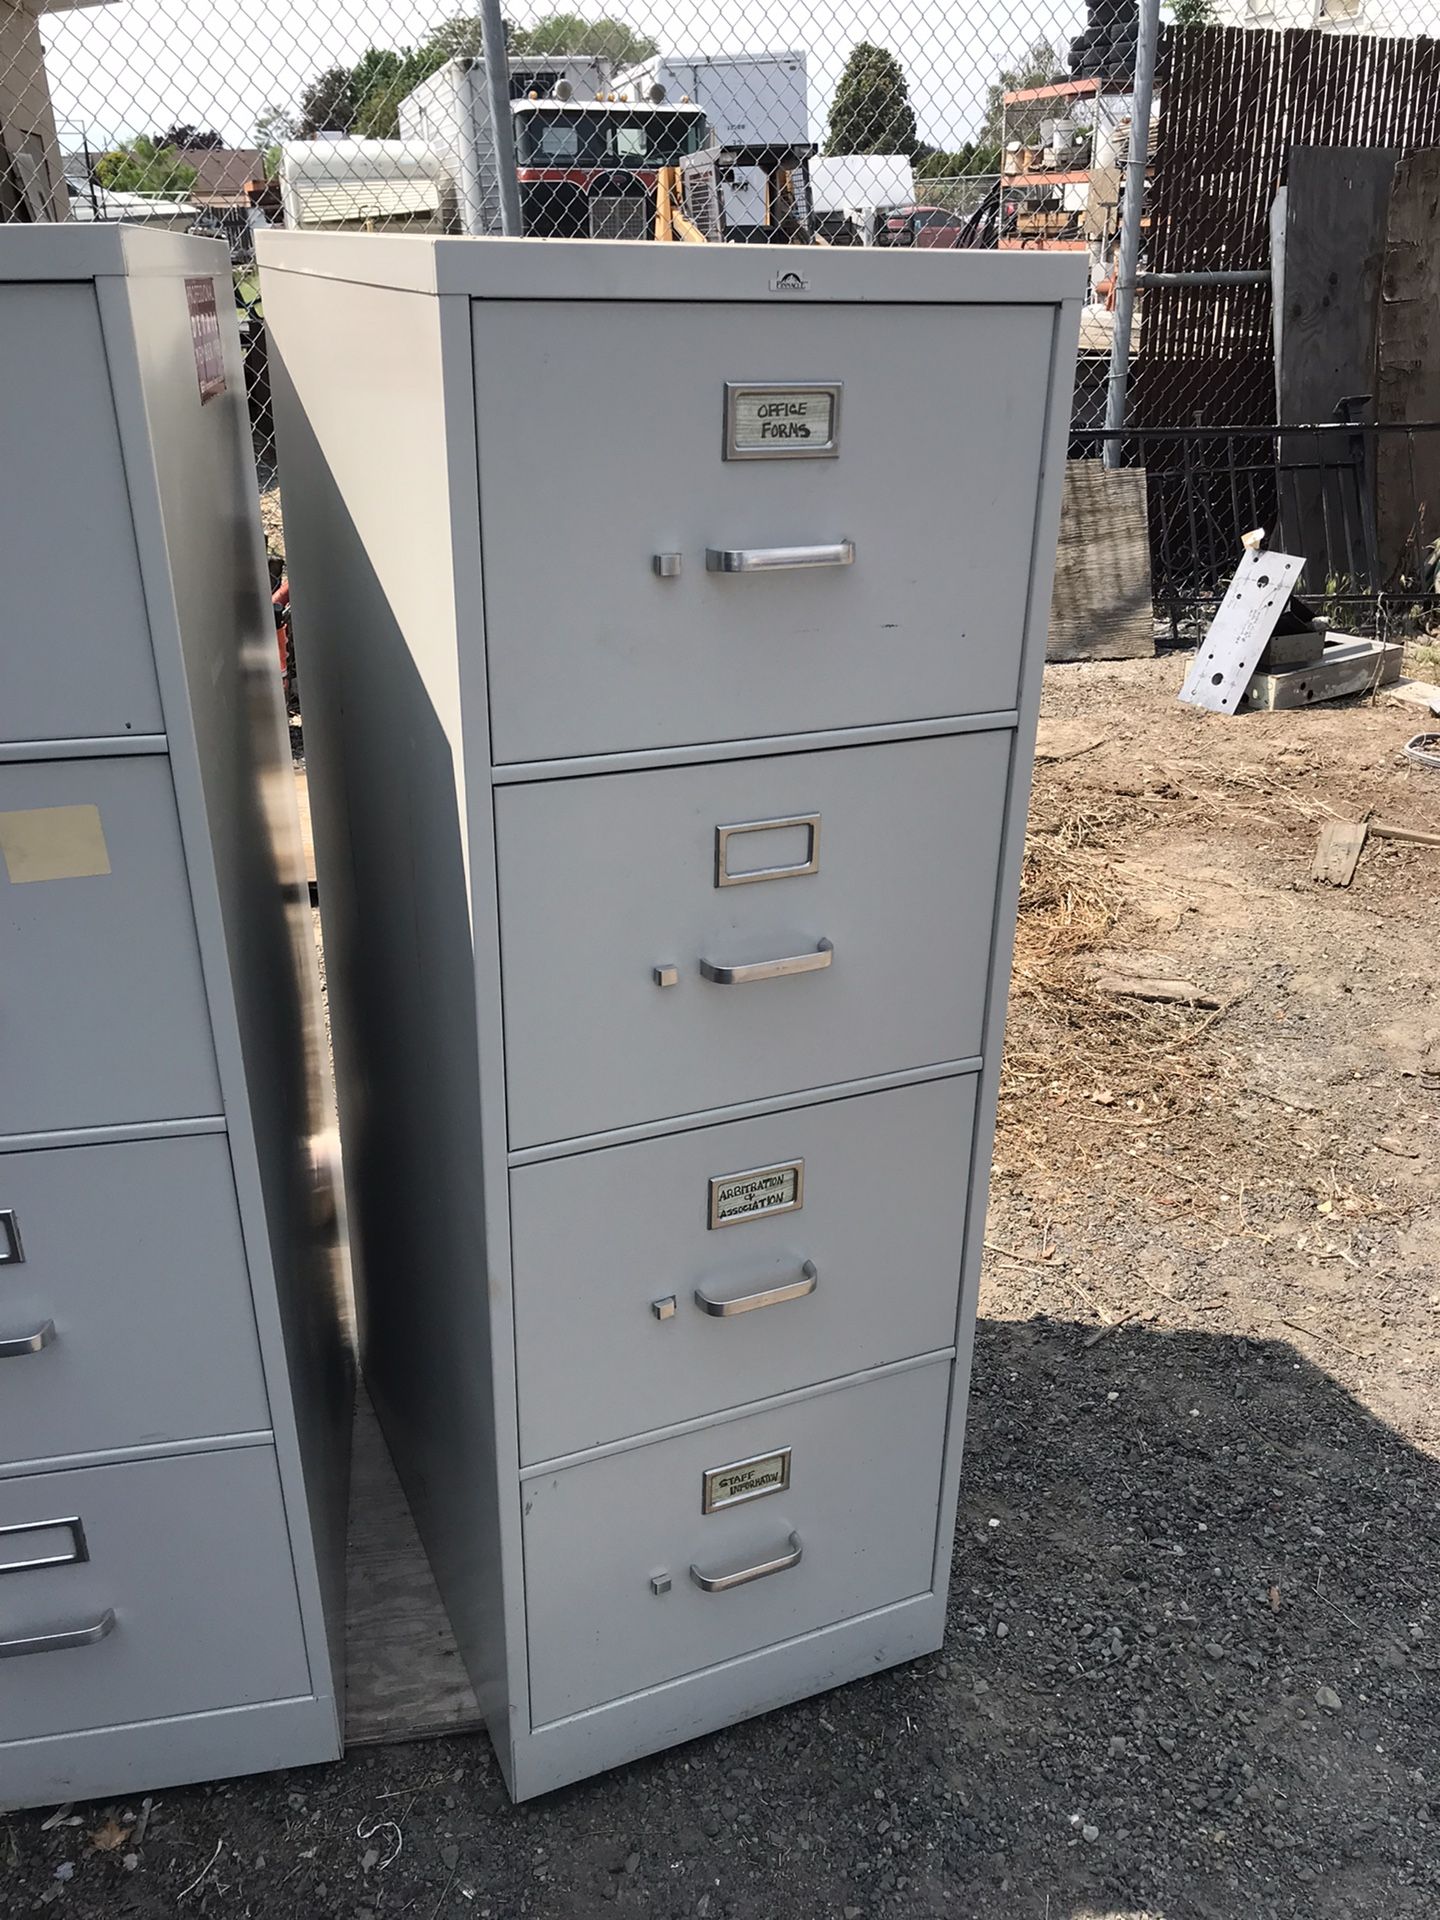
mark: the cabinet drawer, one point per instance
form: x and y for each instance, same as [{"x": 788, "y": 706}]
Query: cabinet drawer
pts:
[
  {"x": 141, "y": 1591},
  {"x": 933, "y": 475},
  {"x": 132, "y": 1273},
  {"x": 102, "y": 1005},
  {"x": 856, "y": 1522},
  {"x": 864, "y": 1270},
  {"x": 75, "y": 659},
  {"x": 605, "y": 880}
]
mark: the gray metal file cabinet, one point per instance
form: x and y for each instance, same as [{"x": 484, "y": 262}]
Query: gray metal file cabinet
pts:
[
  {"x": 670, "y": 626},
  {"x": 174, "y": 1360}
]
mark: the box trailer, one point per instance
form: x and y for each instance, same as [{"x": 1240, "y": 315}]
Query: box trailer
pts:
[{"x": 750, "y": 99}]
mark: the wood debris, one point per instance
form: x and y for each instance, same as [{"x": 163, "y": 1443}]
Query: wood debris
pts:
[{"x": 1337, "y": 853}]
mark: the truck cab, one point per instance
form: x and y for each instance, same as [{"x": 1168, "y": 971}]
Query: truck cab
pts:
[{"x": 588, "y": 168}]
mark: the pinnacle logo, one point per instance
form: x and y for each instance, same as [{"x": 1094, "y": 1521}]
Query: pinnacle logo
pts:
[{"x": 789, "y": 283}]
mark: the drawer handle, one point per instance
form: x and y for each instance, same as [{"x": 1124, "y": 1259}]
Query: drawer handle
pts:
[
  {"x": 769, "y": 969},
  {"x": 771, "y": 1297},
  {"x": 742, "y": 1576},
  {"x": 58, "y": 1642},
  {"x": 840, "y": 553},
  {"x": 17, "y": 1343}
]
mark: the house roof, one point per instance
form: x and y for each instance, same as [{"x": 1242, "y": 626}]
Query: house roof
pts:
[{"x": 221, "y": 172}]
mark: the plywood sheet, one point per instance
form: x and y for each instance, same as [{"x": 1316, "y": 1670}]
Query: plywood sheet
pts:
[{"x": 1100, "y": 608}]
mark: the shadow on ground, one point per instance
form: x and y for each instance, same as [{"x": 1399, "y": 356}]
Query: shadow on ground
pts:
[{"x": 1191, "y": 1671}]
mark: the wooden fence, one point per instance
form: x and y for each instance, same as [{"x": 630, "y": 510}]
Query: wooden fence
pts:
[{"x": 1233, "y": 103}]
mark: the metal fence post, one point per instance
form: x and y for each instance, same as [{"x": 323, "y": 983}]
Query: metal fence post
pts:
[
  {"x": 1128, "y": 258},
  {"x": 497, "y": 87}
]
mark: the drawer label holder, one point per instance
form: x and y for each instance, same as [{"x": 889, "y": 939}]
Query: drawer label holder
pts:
[
  {"x": 782, "y": 420},
  {"x": 758, "y": 1191},
  {"x": 742, "y": 1480}
]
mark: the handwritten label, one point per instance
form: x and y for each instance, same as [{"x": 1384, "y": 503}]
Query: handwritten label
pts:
[
  {"x": 753, "y": 1194},
  {"x": 746, "y": 1480},
  {"x": 765, "y": 421}
]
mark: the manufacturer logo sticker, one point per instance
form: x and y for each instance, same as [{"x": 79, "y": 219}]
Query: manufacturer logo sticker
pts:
[{"x": 791, "y": 282}]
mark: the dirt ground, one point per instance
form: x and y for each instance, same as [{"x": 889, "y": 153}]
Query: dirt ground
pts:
[{"x": 1194, "y": 1639}]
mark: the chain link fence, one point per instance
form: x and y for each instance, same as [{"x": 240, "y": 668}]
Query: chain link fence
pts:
[{"x": 1003, "y": 124}]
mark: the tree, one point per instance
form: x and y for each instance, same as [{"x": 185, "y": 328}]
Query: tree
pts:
[
  {"x": 144, "y": 167},
  {"x": 1039, "y": 67},
  {"x": 327, "y": 105},
  {"x": 604, "y": 39},
  {"x": 871, "y": 111},
  {"x": 275, "y": 125},
  {"x": 193, "y": 137},
  {"x": 1193, "y": 13}
]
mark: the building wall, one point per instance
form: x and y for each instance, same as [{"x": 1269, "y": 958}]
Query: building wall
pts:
[{"x": 31, "y": 184}]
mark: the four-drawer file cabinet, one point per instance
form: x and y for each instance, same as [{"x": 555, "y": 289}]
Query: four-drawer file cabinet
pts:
[
  {"x": 173, "y": 1350},
  {"x": 670, "y": 631}
]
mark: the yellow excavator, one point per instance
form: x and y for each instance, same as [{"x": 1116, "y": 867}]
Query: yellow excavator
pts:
[{"x": 704, "y": 198}]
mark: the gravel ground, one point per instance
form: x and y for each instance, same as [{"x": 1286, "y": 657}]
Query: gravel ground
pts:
[{"x": 1191, "y": 1668}]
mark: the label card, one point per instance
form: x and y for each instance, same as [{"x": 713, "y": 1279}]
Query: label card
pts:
[
  {"x": 53, "y": 843},
  {"x": 759, "y": 1190},
  {"x": 745, "y": 1480},
  {"x": 767, "y": 421}
]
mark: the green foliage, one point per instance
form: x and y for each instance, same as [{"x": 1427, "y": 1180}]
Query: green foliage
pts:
[
  {"x": 185, "y": 135},
  {"x": 275, "y": 125},
  {"x": 1039, "y": 66},
  {"x": 934, "y": 164},
  {"x": 1193, "y": 13},
  {"x": 605, "y": 38},
  {"x": 145, "y": 167},
  {"x": 871, "y": 111},
  {"x": 363, "y": 100},
  {"x": 327, "y": 105}
]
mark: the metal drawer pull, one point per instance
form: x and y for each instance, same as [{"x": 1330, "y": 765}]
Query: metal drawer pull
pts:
[
  {"x": 769, "y": 969},
  {"x": 58, "y": 1642},
  {"x": 841, "y": 553},
  {"x": 35, "y": 1342},
  {"x": 771, "y": 1297},
  {"x": 742, "y": 1576}
]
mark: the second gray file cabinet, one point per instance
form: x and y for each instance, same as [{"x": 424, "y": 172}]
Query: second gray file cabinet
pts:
[
  {"x": 174, "y": 1343},
  {"x": 670, "y": 624}
]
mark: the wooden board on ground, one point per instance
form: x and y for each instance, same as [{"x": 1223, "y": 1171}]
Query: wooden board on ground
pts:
[
  {"x": 1347, "y": 667},
  {"x": 404, "y": 1678},
  {"x": 1100, "y": 608},
  {"x": 1338, "y": 853}
]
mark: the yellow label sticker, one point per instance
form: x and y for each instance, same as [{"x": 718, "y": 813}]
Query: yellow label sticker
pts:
[{"x": 53, "y": 843}]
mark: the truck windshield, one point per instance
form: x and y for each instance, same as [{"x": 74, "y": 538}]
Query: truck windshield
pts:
[{"x": 604, "y": 138}]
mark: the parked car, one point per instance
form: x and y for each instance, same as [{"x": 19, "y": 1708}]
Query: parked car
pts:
[{"x": 918, "y": 226}]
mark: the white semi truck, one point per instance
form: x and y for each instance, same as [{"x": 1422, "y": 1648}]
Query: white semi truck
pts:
[{"x": 587, "y": 153}]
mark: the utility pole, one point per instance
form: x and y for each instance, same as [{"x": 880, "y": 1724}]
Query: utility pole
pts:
[
  {"x": 1128, "y": 260},
  {"x": 496, "y": 55}
]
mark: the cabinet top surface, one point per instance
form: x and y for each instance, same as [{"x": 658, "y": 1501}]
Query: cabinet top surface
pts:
[
  {"x": 646, "y": 269},
  {"x": 65, "y": 250}
]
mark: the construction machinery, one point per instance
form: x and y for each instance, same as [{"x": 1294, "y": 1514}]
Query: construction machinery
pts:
[{"x": 757, "y": 193}]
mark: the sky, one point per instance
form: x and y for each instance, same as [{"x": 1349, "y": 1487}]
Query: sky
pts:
[{"x": 136, "y": 67}]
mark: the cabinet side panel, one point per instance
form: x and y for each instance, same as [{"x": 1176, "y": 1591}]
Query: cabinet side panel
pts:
[
  {"x": 1049, "y": 468},
  {"x": 193, "y": 489},
  {"x": 368, "y": 461}
]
